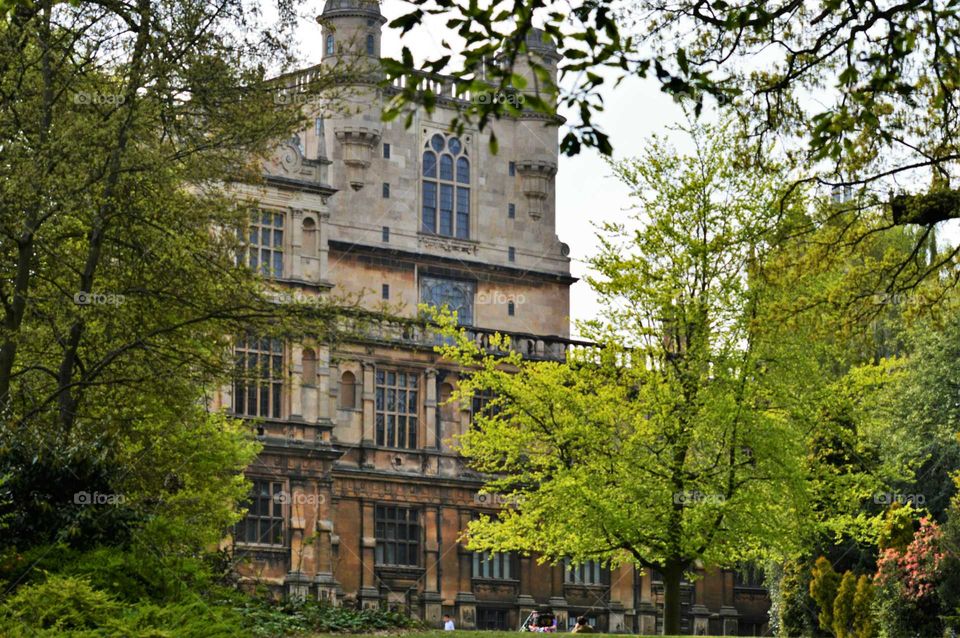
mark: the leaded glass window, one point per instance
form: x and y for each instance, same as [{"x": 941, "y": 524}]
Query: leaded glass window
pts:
[
  {"x": 397, "y": 408},
  {"x": 446, "y": 187},
  {"x": 456, "y": 295},
  {"x": 258, "y": 387},
  {"x": 263, "y": 243},
  {"x": 263, "y": 524},
  {"x": 398, "y": 535}
]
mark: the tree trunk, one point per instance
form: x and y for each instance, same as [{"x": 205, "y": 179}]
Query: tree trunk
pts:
[{"x": 672, "y": 574}]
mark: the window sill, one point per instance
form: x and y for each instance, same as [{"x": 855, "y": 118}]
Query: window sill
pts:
[
  {"x": 262, "y": 548},
  {"x": 387, "y": 448},
  {"x": 400, "y": 569},
  {"x": 587, "y": 585}
]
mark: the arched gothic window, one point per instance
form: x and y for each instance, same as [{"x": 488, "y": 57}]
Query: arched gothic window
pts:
[{"x": 446, "y": 187}]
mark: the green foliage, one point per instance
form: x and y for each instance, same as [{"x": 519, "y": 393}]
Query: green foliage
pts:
[
  {"x": 102, "y": 606},
  {"x": 268, "y": 618},
  {"x": 792, "y": 609},
  {"x": 823, "y": 590},
  {"x": 862, "y": 625},
  {"x": 61, "y": 603},
  {"x": 897, "y": 528},
  {"x": 843, "y": 606},
  {"x": 909, "y": 585},
  {"x": 660, "y": 447},
  {"x": 71, "y": 606}
]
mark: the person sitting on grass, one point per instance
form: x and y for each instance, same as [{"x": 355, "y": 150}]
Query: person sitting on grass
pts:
[
  {"x": 582, "y": 626},
  {"x": 448, "y": 623}
]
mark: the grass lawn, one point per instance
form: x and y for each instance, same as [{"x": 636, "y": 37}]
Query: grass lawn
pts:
[{"x": 437, "y": 633}]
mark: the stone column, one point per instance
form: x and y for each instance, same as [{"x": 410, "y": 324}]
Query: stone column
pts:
[
  {"x": 430, "y": 411},
  {"x": 729, "y": 616},
  {"x": 297, "y": 585},
  {"x": 369, "y": 592},
  {"x": 526, "y": 604},
  {"x": 326, "y": 412},
  {"x": 558, "y": 602},
  {"x": 646, "y": 610},
  {"x": 326, "y": 584},
  {"x": 298, "y": 580},
  {"x": 701, "y": 615},
  {"x": 466, "y": 601},
  {"x": 294, "y": 269},
  {"x": 369, "y": 407},
  {"x": 296, "y": 380},
  {"x": 621, "y": 597},
  {"x": 323, "y": 222},
  {"x": 431, "y": 600}
]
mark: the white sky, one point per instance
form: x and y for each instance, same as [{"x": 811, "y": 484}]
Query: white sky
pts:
[{"x": 586, "y": 193}]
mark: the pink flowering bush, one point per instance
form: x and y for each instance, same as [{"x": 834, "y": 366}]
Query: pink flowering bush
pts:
[
  {"x": 907, "y": 582},
  {"x": 920, "y": 567}
]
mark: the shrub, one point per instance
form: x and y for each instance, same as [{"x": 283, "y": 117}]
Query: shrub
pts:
[
  {"x": 823, "y": 590},
  {"x": 72, "y": 606},
  {"x": 263, "y": 617},
  {"x": 61, "y": 603},
  {"x": 863, "y": 608},
  {"x": 907, "y": 600},
  {"x": 843, "y": 606}
]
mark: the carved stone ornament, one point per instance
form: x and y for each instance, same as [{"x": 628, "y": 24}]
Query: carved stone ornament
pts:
[{"x": 357, "y": 143}]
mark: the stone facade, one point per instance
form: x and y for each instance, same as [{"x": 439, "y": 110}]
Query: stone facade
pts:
[{"x": 360, "y": 496}]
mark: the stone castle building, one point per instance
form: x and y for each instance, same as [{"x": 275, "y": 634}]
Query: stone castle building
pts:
[{"x": 359, "y": 494}]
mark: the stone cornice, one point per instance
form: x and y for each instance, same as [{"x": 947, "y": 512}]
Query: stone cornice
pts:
[{"x": 439, "y": 260}]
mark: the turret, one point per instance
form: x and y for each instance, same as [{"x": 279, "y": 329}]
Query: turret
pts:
[
  {"x": 350, "y": 30},
  {"x": 544, "y": 51}
]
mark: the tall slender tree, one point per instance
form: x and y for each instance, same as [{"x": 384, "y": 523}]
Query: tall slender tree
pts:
[{"x": 671, "y": 444}]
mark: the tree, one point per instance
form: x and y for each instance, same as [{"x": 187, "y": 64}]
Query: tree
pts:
[
  {"x": 843, "y": 611},
  {"x": 124, "y": 129},
  {"x": 670, "y": 444},
  {"x": 892, "y": 91},
  {"x": 823, "y": 590},
  {"x": 881, "y": 133},
  {"x": 862, "y": 625}
]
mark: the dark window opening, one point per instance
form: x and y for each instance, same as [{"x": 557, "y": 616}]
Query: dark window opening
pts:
[
  {"x": 263, "y": 524},
  {"x": 398, "y": 535}
]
